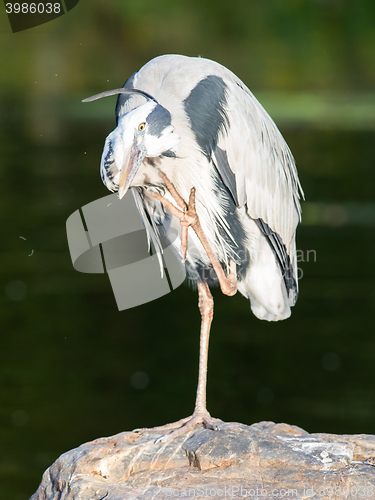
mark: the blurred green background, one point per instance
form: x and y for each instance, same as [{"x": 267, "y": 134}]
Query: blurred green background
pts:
[{"x": 73, "y": 368}]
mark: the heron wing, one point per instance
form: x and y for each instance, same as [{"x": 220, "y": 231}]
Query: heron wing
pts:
[{"x": 258, "y": 168}]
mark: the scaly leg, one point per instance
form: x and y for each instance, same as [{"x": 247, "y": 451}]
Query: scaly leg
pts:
[{"x": 200, "y": 415}]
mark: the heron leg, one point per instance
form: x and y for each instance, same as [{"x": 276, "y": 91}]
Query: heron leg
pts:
[
  {"x": 200, "y": 415},
  {"x": 206, "y": 308},
  {"x": 188, "y": 217}
]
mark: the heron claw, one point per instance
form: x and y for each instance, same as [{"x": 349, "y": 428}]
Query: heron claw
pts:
[
  {"x": 189, "y": 425},
  {"x": 183, "y": 426},
  {"x": 188, "y": 217}
]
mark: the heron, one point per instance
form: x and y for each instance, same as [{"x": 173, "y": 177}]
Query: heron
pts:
[{"x": 195, "y": 146}]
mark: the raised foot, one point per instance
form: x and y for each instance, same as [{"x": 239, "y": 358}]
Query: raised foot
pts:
[
  {"x": 188, "y": 217},
  {"x": 186, "y": 213},
  {"x": 184, "y": 426}
]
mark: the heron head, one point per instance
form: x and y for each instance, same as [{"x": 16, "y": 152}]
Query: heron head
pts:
[{"x": 144, "y": 132}]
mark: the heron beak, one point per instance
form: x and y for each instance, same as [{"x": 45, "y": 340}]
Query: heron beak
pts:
[{"x": 130, "y": 167}]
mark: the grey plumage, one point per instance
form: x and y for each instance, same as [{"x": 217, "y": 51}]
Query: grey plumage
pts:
[
  {"x": 205, "y": 129},
  {"x": 205, "y": 107},
  {"x": 158, "y": 120}
]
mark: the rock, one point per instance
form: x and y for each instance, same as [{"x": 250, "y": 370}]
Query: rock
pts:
[{"x": 261, "y": 461}]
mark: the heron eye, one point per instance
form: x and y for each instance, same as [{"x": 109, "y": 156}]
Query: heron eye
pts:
[{"x": 141, "y": 126}]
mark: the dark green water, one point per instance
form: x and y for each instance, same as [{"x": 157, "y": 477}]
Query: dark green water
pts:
[{"x": 68, "y": 356}]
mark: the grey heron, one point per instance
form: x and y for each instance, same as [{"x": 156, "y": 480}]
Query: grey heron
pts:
[{"x": 195, "y": 146}]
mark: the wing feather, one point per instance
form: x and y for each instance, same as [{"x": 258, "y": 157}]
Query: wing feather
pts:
[
  {"x": 265, "y": 172},
  {"x": 150, "y": 228}
]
